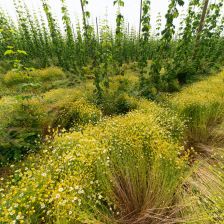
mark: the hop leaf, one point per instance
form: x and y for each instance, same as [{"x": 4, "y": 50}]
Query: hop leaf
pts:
[
  {"x": 9, "y": 52},
  {"x": 21, "y": 52}
]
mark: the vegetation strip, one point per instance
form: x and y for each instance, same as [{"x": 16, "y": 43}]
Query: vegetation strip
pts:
[{"x": 90, "y": 174}]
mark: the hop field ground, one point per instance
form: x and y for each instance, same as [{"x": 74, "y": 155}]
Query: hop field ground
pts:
[{"x": 158, "y": 163}]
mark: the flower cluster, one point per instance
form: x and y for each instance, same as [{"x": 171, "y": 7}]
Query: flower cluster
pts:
[
  {"x": 75, "y": 177},
  {"x": 203, "y": 105}
]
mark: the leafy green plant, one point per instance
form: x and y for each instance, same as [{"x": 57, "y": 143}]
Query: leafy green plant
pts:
[
  {"x": 144, "y": 39},
  {"x": 20, "y": 129},
  {"x": 102, "y": 62},
  {"x": 119, "y": 33},
  {"x": 171, "y": 53},
  {"x": 54, "y": 33},
  {"x": 14, "y": 57}
]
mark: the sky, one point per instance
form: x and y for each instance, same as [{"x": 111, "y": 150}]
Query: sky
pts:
[{"x": 97, "y": 8}]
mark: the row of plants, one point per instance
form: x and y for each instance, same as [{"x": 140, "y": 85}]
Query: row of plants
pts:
[
  {"x": 176, "y": 54},
  {"x": 203, "y": 103},
  {"x": 202, "y": 106},
  {"x": 26, "y": 118}
]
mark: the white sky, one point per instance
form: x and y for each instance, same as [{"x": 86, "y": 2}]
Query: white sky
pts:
[{"x": 97, "y": 8}]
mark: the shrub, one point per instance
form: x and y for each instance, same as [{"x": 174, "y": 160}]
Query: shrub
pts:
[
  {"x": 56, "y": 95},
  {"x": 87, "y": 72},
  {"x": 68, "y": 108},
  {"x": 24, "y": 122},
  {"x": 127, "y": 84},
  {"x": 125, "y": 169},
  {"x": 4, "y": 67},
  {"x": 133, "y": 66},
  {"x": 202, "y": 104},
  {"x": 166, "y": 117},
  {"x": 173, "y": 85},
  {"x": 12, "y": 78},
  {"x": 48, "y": 74},
  {"x": 73, "y": 113},
  {"x": 15, "y": 77},
  {"x": 113, "y": 103},
  {"x": 20, "y": 128},
  {"x": 137, "y": 141},
  {"x": 119, "y": 98}
]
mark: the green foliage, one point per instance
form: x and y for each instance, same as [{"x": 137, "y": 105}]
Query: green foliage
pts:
[
  {"x": 69, "y": 39},
  {"x": 121, "y": 168},
  {"x": 14, "y": 78},
  {"x": 21, "y": 124},
  {"x": 117, "y": 103},
  {"x": 102, "y": 62},
  {"x": 118, "y": 98},
  {"x": 69, "y": 114},
  {"x": 55, "y": 34},
  {"x": 174, "y": 59},
  {"x": 14, "y": 57},
  {"x": 36, "y": 76},
  {"x": 143, "y": 60},
  {"x": 25, "y": 120},
  {"x": 48, "y": 74},
  {"x": 205, "y": 110},
  {"x": 134, "y": 167},
  {"x": 119, "y": 32}
]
